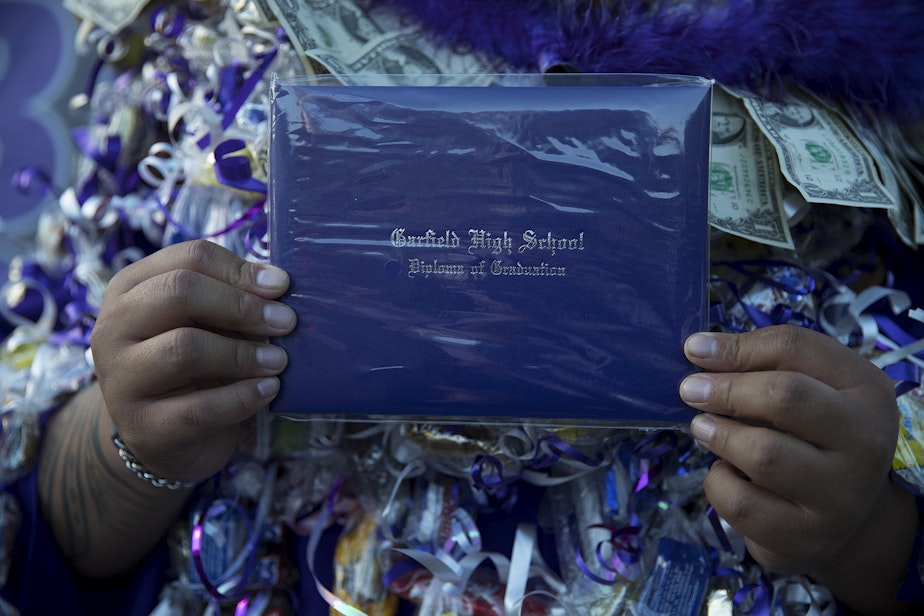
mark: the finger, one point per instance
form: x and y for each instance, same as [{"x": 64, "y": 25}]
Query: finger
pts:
[
  {"x": 189, "y": 357},
  {"x": 776, "y": 461},
  {"x": 187, "y": 418},
  {"x": 209, "y": 259},
  {"x": 766, "y": 519},
  {"x": 186, "y": 298},
  {"x": 192, "y": 436},
  {"x": 789, "y": 401},
  {"x": 782, "y": 347},
  {"x": 221, "y": 407}
]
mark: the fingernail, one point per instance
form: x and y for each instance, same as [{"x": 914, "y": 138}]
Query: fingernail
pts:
[
  {"x": 271, "y": 277},
  {"x": 271, "y": 357},
  {"x": 702, "y": 345},
  {"x": 268, "y": 387},
  {"x": 278, "y": 315},
  {"x": 703, "y": 427},
  {"x": 695, "y": 388}
]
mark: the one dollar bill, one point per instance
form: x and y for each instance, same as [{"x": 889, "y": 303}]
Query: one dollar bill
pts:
[
  {"x": 111, "y": 15},
  {"x": 347, "y": 39},
  {"x": 745, "y": 182},
  {"x": 894, "y": 177},
  {"x": 819, "y": 154}
]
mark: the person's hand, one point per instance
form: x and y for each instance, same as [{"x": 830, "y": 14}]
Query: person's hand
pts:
[
  {"x": 179, "y": 357},
  {"x": 805, "y": 430}
]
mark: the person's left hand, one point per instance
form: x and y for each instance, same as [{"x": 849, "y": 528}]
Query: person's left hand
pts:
[{"x": 804, "y": 428}]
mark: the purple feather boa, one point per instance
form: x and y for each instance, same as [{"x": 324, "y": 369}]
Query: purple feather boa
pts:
[{"x": 867, "y": 53}]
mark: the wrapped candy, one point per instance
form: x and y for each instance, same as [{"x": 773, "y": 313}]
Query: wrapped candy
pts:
[
  {"x": 599, "y": 559},
  {"x": 677, "y": 580},
  {"x": 908, "y": 463}
]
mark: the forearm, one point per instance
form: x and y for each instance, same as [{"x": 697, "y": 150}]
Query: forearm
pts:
[
  {"x": 104, "y": 518},
  {"x": 870, "y": 572}
]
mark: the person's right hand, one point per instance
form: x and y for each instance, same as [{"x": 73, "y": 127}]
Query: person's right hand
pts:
[{"x": 178, "y": 354}]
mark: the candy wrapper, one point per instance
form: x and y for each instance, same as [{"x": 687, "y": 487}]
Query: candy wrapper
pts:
[
  {"x": 357, "y": 571},
  {"x": 908, "y": 463},
  {"x": 229, "y": 556},
  {"x": 599, "y": 559},
  {"x": 676, "y": 582}
]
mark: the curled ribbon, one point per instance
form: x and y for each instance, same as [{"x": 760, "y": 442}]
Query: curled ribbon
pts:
[
  {"x": 167, "y": 21},
  {"x": 844, "y": 314},
  {"x": 32, "y": 180},
  {"x": 754, "y": 599},
  {"x": 162, "y": 170},
  {"x": 232, "y": 584},
  {"x": 650, "y": 451},
  {"x": 619, "y": 556},
  {"x": 234, "y": 171},
  {"x": 797, "y": 594},
  {"x": 336, "y": 603},
  {"x": 487, "y": 473},
  {"x": 551, "y": 450},
  {"x": 49, "y": 315}
]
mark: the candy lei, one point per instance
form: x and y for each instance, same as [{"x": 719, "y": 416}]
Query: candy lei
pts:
[{"x": 177, "y": 115}]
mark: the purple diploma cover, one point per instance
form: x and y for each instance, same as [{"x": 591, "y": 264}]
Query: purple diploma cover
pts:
[{"x": 533, "y": 251}]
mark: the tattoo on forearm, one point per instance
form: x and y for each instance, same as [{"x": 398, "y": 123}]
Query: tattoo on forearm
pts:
[{"x": 83, "y": 494}]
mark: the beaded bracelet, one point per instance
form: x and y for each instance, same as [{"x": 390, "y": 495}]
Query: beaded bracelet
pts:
[{"x": 132, "y": 464}]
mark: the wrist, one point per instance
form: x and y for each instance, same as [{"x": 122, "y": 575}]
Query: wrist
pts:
[
  {"x": 140, "y": 471},
  {"x": 868, "y": 572}
]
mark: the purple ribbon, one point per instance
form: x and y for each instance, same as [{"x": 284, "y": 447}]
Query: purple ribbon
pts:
[
  {"x": 106, "y": 156},
  {"x": 780, "y": 314},
  {"x": 650, "y": 452},
  {"x": 242, "y": 93},
  {"x": 807, "y": 286},
  {"x": 624, "y": 547},
  {"x": 167, "y": 21},
  {"x": 255, "y": 238},
  {"x": 234, "y": 171},
  {"x": 758, "y": 594},
  {"x": 551, "y": 448},
  {"x": 895, "y": 332},
  {"x": 797, "y": 286},
  {"x": 753, "y": 598},
  {"x": 232, "y": 586},
  {"x": 75, "y": 315},
  {"x": 907, "y": 377},
  {"x": 487, "y": 475},
  {"x": 254, "y": 212},
  {"x": 31, "y": 180}
]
